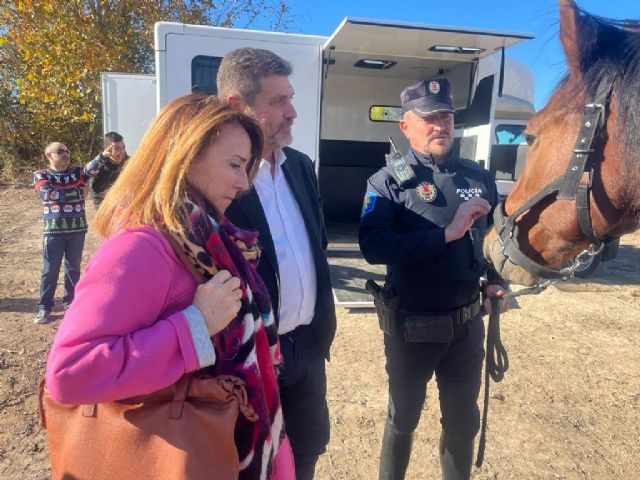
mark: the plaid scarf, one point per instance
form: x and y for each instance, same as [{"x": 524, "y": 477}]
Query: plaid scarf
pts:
[{"x": 248, "y": 347}]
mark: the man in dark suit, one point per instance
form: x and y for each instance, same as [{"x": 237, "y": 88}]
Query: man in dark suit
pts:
[{"x": 284, "y": 206}]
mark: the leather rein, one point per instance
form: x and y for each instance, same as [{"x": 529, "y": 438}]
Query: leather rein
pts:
[{"x": 564, "y": 187}]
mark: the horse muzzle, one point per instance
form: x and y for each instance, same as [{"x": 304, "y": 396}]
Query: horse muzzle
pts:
[{"x": 494, "y": 253}]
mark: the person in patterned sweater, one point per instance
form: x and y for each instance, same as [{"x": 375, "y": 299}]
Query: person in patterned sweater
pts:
[{"x": 62, "y": 190}]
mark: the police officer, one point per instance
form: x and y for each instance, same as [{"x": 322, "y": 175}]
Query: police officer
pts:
[{"x": 424, "y": 216}]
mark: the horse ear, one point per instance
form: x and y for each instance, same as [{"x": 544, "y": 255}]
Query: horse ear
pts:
[{"x": 569, "y": 35}]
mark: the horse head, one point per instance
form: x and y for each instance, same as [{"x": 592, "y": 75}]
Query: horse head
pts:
[{"x": 581, "y": 181}]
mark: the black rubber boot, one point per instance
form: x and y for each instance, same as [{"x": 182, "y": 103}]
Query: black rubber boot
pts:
[
  {"x": 456, "y": 456},
  {"x": 395, "y": 453}
]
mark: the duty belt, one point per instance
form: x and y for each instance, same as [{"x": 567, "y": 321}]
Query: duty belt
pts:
[{"x": 458, "y": 316}]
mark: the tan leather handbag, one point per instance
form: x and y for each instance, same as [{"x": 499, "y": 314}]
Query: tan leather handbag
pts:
[
  {"x": 182, "y": 432},
  {"x": 185, "y": 431}
]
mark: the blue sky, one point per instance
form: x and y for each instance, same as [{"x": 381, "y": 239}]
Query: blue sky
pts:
[{"x": 543, "y": 55}]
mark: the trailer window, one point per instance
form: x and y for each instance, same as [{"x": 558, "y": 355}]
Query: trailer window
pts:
[
  {"x": 204, "y": 70},
  {"x": 385, "y": 113},
  {"x": 510, "y": 134}
]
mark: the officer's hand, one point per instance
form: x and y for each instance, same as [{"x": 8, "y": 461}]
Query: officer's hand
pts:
[
  {"x": 219, "y": 300},
  {"x": 467, "y": 213},
  {"x": 495, "y": 291}
]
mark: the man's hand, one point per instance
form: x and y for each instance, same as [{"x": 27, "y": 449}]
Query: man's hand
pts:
[
  {"x": 467, "y": 213},
  {"x": 116, "y": 156},
  {"x": 495, "y": 291}
]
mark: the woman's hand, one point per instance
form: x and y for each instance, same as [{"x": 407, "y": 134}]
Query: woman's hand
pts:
[{"x": 218, "y": 300}]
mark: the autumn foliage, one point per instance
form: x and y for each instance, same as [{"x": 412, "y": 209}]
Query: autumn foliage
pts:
[{"x": 53, "y": 51}]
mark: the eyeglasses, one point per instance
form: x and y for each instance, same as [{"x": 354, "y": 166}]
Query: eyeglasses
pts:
[{"x": 60, "y": 151}]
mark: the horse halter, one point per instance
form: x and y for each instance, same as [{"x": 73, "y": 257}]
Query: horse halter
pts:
[{"x": 565, "y": 187}]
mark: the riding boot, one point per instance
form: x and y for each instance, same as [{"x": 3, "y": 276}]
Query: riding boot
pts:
[
  {"x": 456, "y": 456},
  {"x": 395, "y": 453}
]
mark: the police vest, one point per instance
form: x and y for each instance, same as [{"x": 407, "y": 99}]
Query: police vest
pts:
[{"x": 436, "y": 195}]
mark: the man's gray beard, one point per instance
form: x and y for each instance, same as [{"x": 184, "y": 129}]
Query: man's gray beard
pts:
[
  {"x": 277, "y": 143},
  {"x": 427, "y": 141}
]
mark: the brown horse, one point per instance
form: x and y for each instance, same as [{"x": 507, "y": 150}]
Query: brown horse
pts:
[{"x": 581, "y": 182}]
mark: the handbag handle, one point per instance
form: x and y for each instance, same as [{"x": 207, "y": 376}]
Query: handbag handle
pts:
[
  {"x": 180, "y": 395},
  {"x": 182, "y": 386}
]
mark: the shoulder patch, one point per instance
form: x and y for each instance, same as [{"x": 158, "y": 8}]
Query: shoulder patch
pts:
[{"x": 369, "y": 203}]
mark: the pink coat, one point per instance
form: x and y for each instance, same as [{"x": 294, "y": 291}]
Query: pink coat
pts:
[{"x": 124, "y": 334}]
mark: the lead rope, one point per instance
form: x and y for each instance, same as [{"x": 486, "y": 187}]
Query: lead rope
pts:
[
  {"x": 497, "y": 361},
  {"x": 496, "y": 364}
]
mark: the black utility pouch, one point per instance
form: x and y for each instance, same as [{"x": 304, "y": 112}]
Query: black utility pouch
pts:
[{"x": 428, "y": 328}]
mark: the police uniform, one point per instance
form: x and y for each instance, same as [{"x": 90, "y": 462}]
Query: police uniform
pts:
[{"x": 433, "y": 288}]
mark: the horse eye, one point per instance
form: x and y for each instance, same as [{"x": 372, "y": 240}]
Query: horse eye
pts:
[{"x": 529, "y": 138}]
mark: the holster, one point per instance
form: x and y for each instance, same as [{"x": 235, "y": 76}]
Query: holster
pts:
[{"x": 386, "y": 304}]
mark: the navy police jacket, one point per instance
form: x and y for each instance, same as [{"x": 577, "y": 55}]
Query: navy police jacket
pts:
[{"x": 403, "y": 228}]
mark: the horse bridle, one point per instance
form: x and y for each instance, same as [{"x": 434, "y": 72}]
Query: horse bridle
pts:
[{"x": 565, "y": 187}]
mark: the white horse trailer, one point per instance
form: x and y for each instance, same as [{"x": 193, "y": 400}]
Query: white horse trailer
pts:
[{"x": 347, "y": 89}]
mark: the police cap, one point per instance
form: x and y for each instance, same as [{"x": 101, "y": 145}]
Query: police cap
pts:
[{"x": 428, "y": 97}]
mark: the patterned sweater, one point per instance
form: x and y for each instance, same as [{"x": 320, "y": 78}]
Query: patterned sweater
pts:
[{"x": 62, "y": 194}]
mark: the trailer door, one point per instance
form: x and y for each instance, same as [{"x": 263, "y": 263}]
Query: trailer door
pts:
[
  {"x": 188, "y": 56},
  {"x": 128, "y": 105}
]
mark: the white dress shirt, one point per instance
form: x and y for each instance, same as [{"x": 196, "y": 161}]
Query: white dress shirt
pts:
[{"x": 291, "y": 241}]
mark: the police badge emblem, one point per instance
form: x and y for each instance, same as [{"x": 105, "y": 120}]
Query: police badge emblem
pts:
[
  {"x": 427, "y": 191},
  {"x": 434, "y": 87}
]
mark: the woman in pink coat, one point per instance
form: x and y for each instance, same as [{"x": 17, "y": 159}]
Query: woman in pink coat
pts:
[{"x": 139, "y": 321}]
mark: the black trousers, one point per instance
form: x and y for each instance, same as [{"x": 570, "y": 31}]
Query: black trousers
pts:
[
  {"x": 303, "y": 392},
  {"x": 458, "y": 368}
]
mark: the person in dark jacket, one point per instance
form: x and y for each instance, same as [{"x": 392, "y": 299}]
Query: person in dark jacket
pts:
[
  {"x": 424, "y": 216},
  {"x": 116, "y": 151},
  {"x": 284, "y": 206}
]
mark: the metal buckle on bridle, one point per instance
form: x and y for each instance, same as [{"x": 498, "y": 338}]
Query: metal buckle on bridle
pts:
[
  {"x": 597, "y": 105},
  {"x": 583, "y": 259}
]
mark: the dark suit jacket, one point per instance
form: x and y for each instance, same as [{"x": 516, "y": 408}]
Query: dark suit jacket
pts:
[{"x": 246, "y": 212}]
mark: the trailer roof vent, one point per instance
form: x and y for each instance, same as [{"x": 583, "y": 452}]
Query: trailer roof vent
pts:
[
  {"x": 375, "y": 64},
  {"x": 456, "y": 49}
]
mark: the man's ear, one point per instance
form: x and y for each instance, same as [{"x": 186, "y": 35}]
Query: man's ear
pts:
[
  {"x": 403, "y": 125},
  {"x": 236, "y": 101}
]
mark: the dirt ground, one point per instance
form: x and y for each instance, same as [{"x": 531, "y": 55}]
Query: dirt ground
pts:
[{"x": 568, "y": 408}]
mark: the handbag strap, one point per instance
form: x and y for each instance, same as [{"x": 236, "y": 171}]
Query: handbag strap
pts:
[
  {"x": 180, "y": 396},
  {"x": 183, "y": 256},
  {"x": 182, "y": 385}
]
